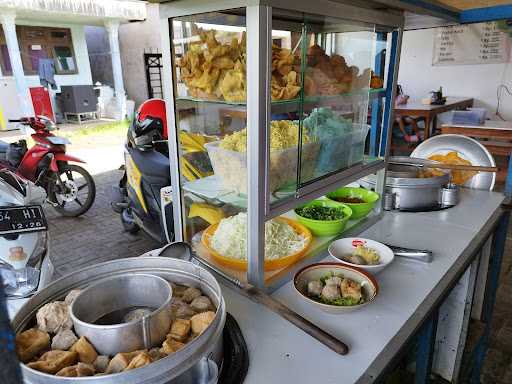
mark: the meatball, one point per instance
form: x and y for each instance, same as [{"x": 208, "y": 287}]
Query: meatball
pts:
[
  {"x": 190, "y": 294},
  {"x": 53, "y": 317},
  {"x": 315, "y": 288},
  {"x": 201, "y": 304},
  {"x": 331, "y": 292},
  {"x": 350, "y": 288},
  {"x": 64, "y": 340},
  {"x": 335, "y": 280}
]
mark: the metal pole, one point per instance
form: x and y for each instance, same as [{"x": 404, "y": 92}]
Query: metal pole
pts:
[
  {"x": 376, "y": 103},
  {"x": 394, "y": 61},
  {"x": 172, "y": 129},
  {"x": 425, "y": 352},
  {"x": 259, "y": 50}
]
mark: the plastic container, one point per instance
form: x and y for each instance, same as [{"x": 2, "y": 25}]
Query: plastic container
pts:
[
  {"x": 323, "y": 227},
  {"x": 270, "y": 265},
  {"x": 359, "y": 210},
  {"x": 473, "y": 116},
  {"x": 231, "y": 166},
  {"x": 359, "y": 133}
]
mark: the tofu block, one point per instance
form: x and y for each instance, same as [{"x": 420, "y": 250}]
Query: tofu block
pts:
[
  {"x": 79, "y": 370},
  {"x": 86, "y": 352},
  {"x": 170, "y": 346},
  {"x": 180, "y": 329},
  {"x": 201, "y": 321},
  {"x": 53, "y": 361},
  {"x": 139, "y": 361},
  {"x": 120, "y": 361},
  {"x": 31, "y": 343}
]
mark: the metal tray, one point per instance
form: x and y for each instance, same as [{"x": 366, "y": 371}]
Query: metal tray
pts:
[{"x": 469, "y": 149}]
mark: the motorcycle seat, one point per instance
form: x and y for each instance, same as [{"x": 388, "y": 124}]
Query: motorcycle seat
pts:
[{"x": 153, "y": 165}]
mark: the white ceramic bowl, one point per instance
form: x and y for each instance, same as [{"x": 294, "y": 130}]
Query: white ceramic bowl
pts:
[
  {"x": 368, "y": 283},
  {"x": 343, "y": 247}
]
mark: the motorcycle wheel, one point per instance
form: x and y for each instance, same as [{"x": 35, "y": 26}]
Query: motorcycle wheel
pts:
[{"x": 75, "y": 194}]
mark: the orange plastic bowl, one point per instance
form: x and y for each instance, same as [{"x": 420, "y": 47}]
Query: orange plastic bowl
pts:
[{"x": 270, "y": 265}]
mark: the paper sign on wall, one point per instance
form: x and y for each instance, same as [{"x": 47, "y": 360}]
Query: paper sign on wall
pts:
[{"x": 482, "y": 43}]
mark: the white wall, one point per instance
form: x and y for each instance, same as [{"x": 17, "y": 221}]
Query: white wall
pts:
[
  {"x": 418, "y": 77},
  {"x": 135, "y": 39}
]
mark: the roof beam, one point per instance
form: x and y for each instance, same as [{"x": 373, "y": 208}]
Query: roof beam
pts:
[
  {"x": 424, "y": 7},
  {"x": 477, "y": 15}
]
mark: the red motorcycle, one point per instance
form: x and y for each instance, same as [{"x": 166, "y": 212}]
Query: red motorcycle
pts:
[{"x": 70, "y": 188}]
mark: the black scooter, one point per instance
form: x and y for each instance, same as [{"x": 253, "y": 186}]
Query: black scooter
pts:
[{"x": 143, "y": 196}]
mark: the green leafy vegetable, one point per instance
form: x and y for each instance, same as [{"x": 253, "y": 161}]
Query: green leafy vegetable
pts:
[{"x": 318, "y": 212}]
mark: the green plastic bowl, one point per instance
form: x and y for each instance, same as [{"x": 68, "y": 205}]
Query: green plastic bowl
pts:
[
  {"x": 325, "y": 228},
  {"x": 359, "y": 210}
]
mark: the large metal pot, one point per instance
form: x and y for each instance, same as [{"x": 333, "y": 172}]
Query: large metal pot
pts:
[
  {"x": 410, "y": 193},
  {"x": 196, "y": 363}
]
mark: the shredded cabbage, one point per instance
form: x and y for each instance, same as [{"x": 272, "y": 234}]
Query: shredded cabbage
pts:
[{"x": 230, "y": 238}]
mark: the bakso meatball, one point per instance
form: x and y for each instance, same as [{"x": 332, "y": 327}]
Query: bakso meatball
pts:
[
  {"x": 201, "y": 304},
  {"x": 315, "y": 288},
  {"x": 190, "y": 294},
  {"x": 335, "y": 280},
  {"x": 350, "y": 288},
  {"x": 331, "y": 292}
]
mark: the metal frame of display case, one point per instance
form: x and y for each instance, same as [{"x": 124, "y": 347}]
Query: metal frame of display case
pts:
[{"x": 258, "y": 109}]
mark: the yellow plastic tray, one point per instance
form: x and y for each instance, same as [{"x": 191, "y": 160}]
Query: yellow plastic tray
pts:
[{"x": 270, "y": 265}]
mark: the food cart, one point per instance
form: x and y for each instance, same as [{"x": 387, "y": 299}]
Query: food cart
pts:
[
  {"x": 272, "y": 105},
  {"x": 222, "y": 94}
]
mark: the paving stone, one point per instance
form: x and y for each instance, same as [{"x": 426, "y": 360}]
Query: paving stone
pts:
[{"x": 96, "y": 236}]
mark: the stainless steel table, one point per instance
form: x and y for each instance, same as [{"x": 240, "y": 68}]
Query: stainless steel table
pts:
[{"x": 409, "y": 292}]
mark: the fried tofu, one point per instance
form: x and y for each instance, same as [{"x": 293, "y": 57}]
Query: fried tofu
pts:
[
  {"x": 86, "y": 352},
  {"x": 31, "y": 343},
  {"x": 141, "y": 360},
  {"x": 120, "y": 361},
  {"x": 53, "y": 361},
  {"x": 180, "y": 329},
  {"x": 201, "y": 321},
  {"x": 79, "y": 370},
  {"x": 170, "y": 346}
]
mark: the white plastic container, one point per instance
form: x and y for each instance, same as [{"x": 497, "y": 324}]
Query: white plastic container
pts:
[{"x": 231, "y": 166}]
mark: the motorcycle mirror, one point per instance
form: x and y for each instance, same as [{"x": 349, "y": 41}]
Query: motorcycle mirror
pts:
[{"x": 26, "y": 130}]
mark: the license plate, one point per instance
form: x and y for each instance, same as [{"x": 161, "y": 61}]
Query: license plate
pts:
[{"x": 22, "y": 219}]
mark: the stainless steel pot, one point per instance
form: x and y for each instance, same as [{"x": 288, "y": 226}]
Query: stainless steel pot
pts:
[
  {"x": 410, "y": 193},
  {"x": 97, "y": 313},
  {"x": 196, "y": 363}
]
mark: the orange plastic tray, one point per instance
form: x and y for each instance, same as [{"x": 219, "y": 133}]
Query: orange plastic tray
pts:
[{"x": 270, "y": 265}]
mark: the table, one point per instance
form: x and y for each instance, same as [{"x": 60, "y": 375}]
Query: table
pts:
[
  {"x": 495, "y": 135},
  {"x": 377, "y": 333},
  {"x": 430, "y": 112}
]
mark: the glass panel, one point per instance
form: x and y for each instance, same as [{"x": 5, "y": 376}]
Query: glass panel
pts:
[
  {"x": 339, "y": 60},
  {"x": 64, "y": 59},
  {"x": 209, "y": 61},
  {"x": 286, "y": 68}
]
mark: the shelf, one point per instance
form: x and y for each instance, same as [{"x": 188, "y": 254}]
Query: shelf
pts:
[
  {"x": 284, "y": 106},
  {"x": 316, "y": 252}
]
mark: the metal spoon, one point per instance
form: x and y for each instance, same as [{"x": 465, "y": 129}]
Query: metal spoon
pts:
[{"x": 182, "y": 250}]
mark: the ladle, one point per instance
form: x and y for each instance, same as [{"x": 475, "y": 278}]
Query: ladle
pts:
[{"x": 182, "y": 250}]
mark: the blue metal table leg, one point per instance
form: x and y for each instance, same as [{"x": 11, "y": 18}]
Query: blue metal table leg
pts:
[
  {"x": 498, "y": 249},
  {"x": 425, "y": 351},
  {"x": 376, "y": 121}
]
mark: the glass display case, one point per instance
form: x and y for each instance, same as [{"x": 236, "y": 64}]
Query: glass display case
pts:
[{"x": 272, "y": 109}]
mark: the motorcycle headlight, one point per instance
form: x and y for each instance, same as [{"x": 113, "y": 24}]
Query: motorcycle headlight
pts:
[{"x": 20, "y": 263}]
